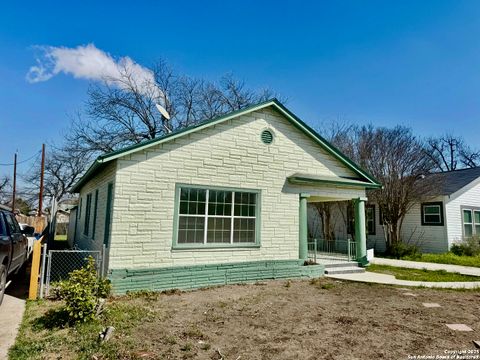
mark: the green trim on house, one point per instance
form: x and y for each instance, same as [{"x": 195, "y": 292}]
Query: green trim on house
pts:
[
  {"x": 102, "y": 159},
  {"x": 258, "y": 219},
  {"x": 95, "y": 206},
  {"x": 307, "y": 179},
  {"x": 198, "y": 276},
  {"x": 303, "y": 227},
  {"x": 361, "y": 231},
  {"x": 108, "y": 215}
]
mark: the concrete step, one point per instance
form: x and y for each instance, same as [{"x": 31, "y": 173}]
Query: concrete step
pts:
[
  {"x": 344, "y": 270},
  {"x": 341, "y": 264}
]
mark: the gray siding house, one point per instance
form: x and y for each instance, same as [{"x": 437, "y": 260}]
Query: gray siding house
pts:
[{"x": 220, "y": 202}]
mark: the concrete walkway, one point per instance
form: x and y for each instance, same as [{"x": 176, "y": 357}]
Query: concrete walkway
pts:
[
  {"x": 371, "y": 277},
  {"x": 11, "y": 313},
  {"x": 465, "y": 270}
]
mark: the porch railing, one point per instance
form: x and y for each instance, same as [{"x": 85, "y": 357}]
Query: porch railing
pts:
[{"x": 332, "y": 249}]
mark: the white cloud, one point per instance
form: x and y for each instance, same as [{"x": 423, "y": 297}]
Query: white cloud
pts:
[{"x": 89, "y": 62}]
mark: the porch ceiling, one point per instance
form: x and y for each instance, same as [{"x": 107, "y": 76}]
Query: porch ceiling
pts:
[{"x": 309, "y": 179}]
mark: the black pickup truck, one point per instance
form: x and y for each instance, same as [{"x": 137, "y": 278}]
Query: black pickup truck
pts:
[{"x": 13, "y": 248}]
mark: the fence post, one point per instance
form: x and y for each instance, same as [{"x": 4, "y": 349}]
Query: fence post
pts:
[
  {"x": 348, "y": 246},
  {"x": 42, "y": 272},
  {"x": 33, "y": 289},
  {"x": 315, "y": 249}
]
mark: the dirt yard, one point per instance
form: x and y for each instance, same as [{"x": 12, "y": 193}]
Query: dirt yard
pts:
[{"x": 323, "y": 319}]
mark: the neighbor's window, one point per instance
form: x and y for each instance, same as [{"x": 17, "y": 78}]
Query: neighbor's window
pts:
[
  {"x": 471, "y": 222},
  {"x": 216, "y": 216},
  {"x": 87, "y": 214},
  {"x": 370, "y": 219},
  {"x": 432, "y": 213}
]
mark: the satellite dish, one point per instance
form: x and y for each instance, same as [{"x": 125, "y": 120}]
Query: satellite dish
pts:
[{"x": 163, "y": 111}]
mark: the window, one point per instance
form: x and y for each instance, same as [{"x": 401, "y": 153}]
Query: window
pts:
[
  {"x": 432, "y": 213},
  {"x": 12, "y": 224},
  {"x": 95, "y": 204},
  {"x": 370, "y": 219},
  {"x": 471, "y": 222},
  {"x": 87, "y": 214},
  {"x": 216, "y": 216}
]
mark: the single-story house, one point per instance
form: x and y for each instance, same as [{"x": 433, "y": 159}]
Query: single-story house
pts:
[
  {"x": 449, "y": 216},
  {"x": 220, "y": 202}
]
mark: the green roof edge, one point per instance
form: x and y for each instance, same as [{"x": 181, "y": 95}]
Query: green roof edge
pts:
[{"x": 297, "y": 122}]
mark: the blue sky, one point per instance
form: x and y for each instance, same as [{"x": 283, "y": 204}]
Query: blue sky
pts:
[{"x": 415, "y": 63}]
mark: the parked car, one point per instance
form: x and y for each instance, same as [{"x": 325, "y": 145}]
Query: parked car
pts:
[
  {"x": 29, "y": 232},
  {"x": 13, "y": 248}
]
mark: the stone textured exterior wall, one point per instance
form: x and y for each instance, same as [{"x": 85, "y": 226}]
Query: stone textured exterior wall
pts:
[
  {"x": 230, "y": 154},
  {"x": 197, "y": 276},
  {"x": 100, "y": 182}
]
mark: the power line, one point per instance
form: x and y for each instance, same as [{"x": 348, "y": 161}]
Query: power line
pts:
[{"x": 23, "y": 161}]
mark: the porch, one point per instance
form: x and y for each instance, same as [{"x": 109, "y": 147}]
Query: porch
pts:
[{"x": 332, "y": 251}]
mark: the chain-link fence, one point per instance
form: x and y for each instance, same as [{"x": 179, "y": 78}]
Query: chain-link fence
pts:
[{"x": 60, "y": 263}]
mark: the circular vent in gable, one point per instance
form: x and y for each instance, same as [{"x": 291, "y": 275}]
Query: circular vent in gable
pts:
[{"x": 267, "y": 137}]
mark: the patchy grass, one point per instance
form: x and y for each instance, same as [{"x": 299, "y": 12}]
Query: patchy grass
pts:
[
  {"x": 447, "y": 258},
  {"x": 420, "y": 274},
  {"x": 268, "y": 321},
  {"x": 60, "y": 238}
]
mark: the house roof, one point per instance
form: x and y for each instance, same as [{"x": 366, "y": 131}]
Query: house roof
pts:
[
  {"x": 452, "y": 181},
  {"x": 101, "y": 161}
]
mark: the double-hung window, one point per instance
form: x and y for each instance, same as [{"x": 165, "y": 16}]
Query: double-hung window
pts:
[
  {"x": 471, "y": 222},
  {"x": 370, "y": 219},
  {"x": 216, "y": 217},
  {"x": 432, "y": 213}
]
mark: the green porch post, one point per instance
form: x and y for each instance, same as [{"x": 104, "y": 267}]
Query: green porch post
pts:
[
  {"x": 303, "y": 227},
  {"x": 360, "y": 231}
]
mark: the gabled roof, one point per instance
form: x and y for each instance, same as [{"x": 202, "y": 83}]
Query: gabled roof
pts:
[
  {"x": 452, "y": 181},
  {"x": 100, "y": 162}
]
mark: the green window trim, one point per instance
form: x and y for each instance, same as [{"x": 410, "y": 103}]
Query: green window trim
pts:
[
  {"x": 88, "y": 206},
  {"x": 430, "y": 211},
  {"x": 95, "y": 205},
  {"x": 108, "y": 214},
  {"x": 370, "y": 219},
  {"x": 204, "y": 246}
]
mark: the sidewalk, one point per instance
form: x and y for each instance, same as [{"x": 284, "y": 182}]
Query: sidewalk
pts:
[
  {"x": 465, "y": 270},
  {"x": 371, "y": 277},
  {"x": 11, "y": 313}
]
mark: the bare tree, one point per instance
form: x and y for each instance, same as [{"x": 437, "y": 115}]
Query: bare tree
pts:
[
  {"x": 121, "y": 111},
  {"x": 5, "y": 190},
  {"x": 397, "y": 159},
  {"x": 450, "y": 153},
  {"x": 63, "y": 168}
]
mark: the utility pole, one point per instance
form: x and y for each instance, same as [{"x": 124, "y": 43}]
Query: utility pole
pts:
[
  {"x": 42, "y": 172},
  {"x": 14, "y": 181}
]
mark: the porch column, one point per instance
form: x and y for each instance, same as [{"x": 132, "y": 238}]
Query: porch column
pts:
[
  {"x": 303, "y": 227},
  {"x": 360, "y": 231}
]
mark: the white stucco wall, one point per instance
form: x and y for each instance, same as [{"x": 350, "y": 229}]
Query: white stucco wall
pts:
[
  {"x": 466, "y": 197},
  {"x": 229, "y": 154}
]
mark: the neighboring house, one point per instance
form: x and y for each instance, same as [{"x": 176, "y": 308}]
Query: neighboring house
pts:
[
  {"x": 451, "y": 215},
  {"x": 220, "y": 202}
]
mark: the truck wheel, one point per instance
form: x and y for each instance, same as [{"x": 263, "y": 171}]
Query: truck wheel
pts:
[{"x": 3, "y": 282}]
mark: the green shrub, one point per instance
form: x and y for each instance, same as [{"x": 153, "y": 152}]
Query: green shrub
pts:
[
  {"x": 468, "y": 247},
  {"x": 82, "y": 291},
  {"x": 400, "y": 249}
]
